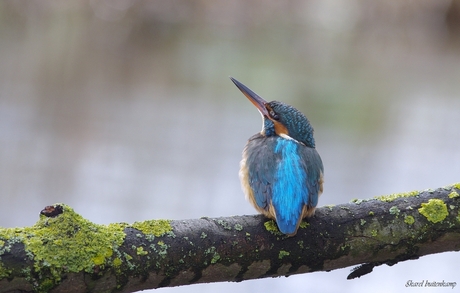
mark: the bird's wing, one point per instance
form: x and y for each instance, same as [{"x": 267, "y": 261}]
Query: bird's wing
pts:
[
  {"x": 261, "y": 164},
  {"x": 313, "y": 166}
]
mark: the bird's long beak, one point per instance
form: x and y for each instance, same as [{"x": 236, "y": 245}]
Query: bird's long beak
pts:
[{"x": 253, "y": 97}]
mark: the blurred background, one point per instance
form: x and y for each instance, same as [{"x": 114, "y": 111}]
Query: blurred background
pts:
[{"x": 124, "y": 109}]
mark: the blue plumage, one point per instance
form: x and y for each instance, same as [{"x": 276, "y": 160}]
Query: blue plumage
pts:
[
  {"x": 289, "y": 191},
  {"x": 281, "y": 171}
]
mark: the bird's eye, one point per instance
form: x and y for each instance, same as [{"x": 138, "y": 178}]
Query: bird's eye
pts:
[{"x": 274, "y": 115}]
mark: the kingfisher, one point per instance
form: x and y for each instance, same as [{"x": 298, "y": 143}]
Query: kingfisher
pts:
[{"x": 281, "y": 172}]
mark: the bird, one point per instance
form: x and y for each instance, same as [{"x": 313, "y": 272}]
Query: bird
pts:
[{"x": 281, "y": 172}]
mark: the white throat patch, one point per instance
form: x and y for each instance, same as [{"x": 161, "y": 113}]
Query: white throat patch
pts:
[{"x": 285, "y": 136}]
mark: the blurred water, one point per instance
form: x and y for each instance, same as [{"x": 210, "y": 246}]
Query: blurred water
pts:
[{"x": 124, "y": 110}]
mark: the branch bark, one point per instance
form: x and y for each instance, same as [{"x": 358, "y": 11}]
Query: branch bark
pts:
[{"x": 64, "y": 252}]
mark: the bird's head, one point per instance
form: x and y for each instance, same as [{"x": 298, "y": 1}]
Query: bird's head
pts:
[{"x": 279, "y": 118}]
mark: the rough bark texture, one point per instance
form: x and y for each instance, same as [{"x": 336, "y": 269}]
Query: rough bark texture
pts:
[{"x": 63, "y": 252}]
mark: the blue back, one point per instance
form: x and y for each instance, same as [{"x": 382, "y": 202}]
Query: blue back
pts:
[{"x": 285, "y": 174}]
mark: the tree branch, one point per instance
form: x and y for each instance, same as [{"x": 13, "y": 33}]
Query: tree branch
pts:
[{"x": 64, "y": 252}]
